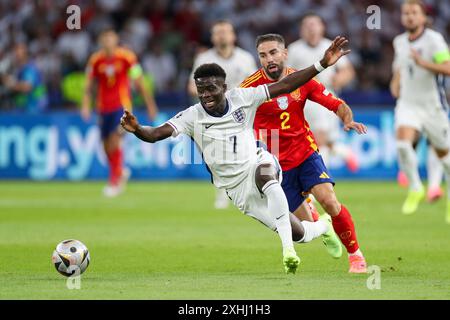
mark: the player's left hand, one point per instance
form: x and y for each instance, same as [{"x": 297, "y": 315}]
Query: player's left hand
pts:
[
  {"x": 357, "y": 126},
  {"x": 335, "y": 51},
  {"x": 129, "y": 122},
  {"x": 417, "y": 57}
]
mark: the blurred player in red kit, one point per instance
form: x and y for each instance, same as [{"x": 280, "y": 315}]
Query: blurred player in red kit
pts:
[
  {"x": 281, "y": 124},
  {"x": 111, "y": 68}
]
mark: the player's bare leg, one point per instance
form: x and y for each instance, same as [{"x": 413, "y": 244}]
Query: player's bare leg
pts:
[
  {"x": 117, "y": 174},
  {"x": 304, "y": 213},
  {"x": 330, "y": 239},
  {"x": 444, "y": 156},
  {"x": 409, "y": 165},
  {"x": 342, "y": 224}
]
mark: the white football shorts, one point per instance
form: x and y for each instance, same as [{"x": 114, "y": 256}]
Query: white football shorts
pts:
[
  {"x": 431, "y": 120},
  {"x": 246, "y": 196}
]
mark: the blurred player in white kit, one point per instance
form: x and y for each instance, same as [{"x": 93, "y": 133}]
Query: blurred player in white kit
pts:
[
  {"x": 324, "y": 124},
  {"x": 422, "y": 60}
]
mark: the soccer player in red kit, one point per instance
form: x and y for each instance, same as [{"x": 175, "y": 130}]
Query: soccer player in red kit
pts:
[
  {"x": 281, "y": 124},
  {"x": 112, "y": 67}
]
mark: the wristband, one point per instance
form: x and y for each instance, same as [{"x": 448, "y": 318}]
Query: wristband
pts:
[{"x": 318, "y": 66}]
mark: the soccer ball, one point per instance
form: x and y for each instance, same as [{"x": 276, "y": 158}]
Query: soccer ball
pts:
[{"x": 71, "y": 257}]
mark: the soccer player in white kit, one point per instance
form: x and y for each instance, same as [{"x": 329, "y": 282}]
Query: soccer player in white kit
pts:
[
  {"x": 421, "y": 61},
  {"x": 222, "y": 127},
  {"x": 324, "y": 124},
  {"x": 237, "y": 63}
]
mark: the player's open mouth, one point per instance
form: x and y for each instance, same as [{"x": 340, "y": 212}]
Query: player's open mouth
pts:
[
  {"x": 272, "y": 68},
  {"x": 209, "y": 104}
]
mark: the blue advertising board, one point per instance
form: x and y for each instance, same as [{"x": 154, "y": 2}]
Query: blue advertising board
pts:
[{"x": 62, "y": 146}]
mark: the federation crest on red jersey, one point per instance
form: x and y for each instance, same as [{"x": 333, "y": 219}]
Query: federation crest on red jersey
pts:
[{"x": 283, "y": 102}]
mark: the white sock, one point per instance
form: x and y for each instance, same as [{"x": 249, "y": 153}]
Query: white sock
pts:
[
  {"x": 279, "y": 210},
  {"x": 325, "y": 153},
  {"x": 435, "y": 171},
  {"x": 408, "y": 164},
  {"x": 356, "y": 253},
  {"x": 446, "y": 164},
  {"x": 313, "y": 230},
  {"x": 341, "y": 150}
]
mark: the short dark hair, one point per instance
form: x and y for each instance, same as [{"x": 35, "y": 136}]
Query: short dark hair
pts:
[
  {"x": 269, "y": 37},
  {"x": 209, "y": 70},
  {"x": 311, "y": 14},
  {"x": 107, "y": 29},
  {"x": 221, "y": 21}
]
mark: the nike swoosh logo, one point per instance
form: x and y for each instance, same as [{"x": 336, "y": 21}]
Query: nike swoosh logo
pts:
[
  {"x": 278, "y": 218},
  {"x": 208, "y": 126}
]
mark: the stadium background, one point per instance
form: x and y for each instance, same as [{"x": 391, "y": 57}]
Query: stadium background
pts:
[{"x": 56, "y": 144}]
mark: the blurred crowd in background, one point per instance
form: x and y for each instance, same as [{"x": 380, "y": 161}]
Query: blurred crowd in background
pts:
[{"x": 167, "y": 34}]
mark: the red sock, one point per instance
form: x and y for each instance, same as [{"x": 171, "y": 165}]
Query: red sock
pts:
[
  {"x": 115, "y": 159},
  {"x": 345, "y": 229}
]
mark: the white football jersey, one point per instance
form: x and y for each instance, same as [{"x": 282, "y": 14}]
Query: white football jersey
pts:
[
  {"x": 418, "y": 86},
  {"x": 238, "y": 66},
  {"x": 301, "y": 55},
  {"x": 227, "y": 143}
]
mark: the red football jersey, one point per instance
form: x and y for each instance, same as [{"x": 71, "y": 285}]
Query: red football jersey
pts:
[
  {"x": 281, "y": 124},
  {"x": 111, "y": 73}
]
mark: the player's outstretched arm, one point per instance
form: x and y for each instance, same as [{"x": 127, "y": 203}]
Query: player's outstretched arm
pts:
[
  {"x": 146, "y": 133},
  {"x": 299, "y": 78}
]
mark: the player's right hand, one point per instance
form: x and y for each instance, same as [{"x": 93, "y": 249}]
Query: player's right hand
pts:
[
  {"x": 129, "y": 122},
  {"x": 357, "y": 126}
]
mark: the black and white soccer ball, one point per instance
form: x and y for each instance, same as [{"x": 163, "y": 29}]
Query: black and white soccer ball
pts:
[{"x": 71, "y": 257}]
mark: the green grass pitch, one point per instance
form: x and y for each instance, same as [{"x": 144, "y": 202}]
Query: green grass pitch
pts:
[{"x": 164, "y": 240}]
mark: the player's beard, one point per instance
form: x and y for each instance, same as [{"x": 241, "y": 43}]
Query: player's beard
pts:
[
  {"x": 223, "y": 45},
  {"x": 275, "y": 75},
  {"x": 413, "y": 28}
]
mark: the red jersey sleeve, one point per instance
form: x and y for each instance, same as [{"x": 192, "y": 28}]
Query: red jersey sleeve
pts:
[
  {"x": 318, "y": 93},
  {"x": 129, "y": 57}
]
